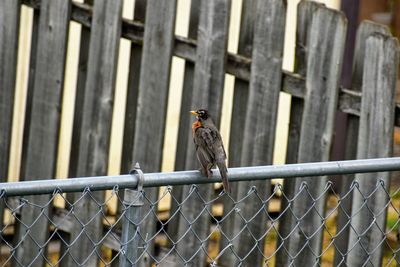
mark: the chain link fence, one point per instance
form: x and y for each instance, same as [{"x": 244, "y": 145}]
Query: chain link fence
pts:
[{"x": 123, "y": 241}]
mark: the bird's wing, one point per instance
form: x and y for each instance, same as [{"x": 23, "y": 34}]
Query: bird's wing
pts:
[
  {"x": 219, "y": 156},
  {"x": 209, "y": 139},
  {"x": 204, "y": 146},
  {"x": 210, "y": 150},
  {"x": 221, "y": 144},
  {"x": 216, "y": 143}
]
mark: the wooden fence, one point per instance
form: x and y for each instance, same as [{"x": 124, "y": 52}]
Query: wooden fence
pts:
[{"x": 314, "y": 86}]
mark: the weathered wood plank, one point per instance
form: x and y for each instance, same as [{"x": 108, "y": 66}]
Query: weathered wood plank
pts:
[
  {"x": 156, "y": 59},
  {"x": 293, "y": 84},
  {"x": 152, "y": 99},
  {"x": 79, "y": 98},
  {"x": 131, "y": 104},
  {"x": 133, "y": 91},
  {"x": 324, "y": 61},
  {"x": 375, "y": 139},
  {"x": 260, "y": 121},
  {"x": 239, "y": 107},
  {"x": 28, "y": 105},
  {"x": 187, "y": 92},
  {"x": 184, "y": 120},
  {"x": 305, "y": 13},
  {"x": 31, "y": 82},
  {"x": 350, "y": 102},
  {"x": 78, "y": 114},
  {"x": 207, "y": 93},
  {"x": 265, "y": 83},
  {"x": 366, "y": 28},
  {"x": 240, "y": 97},
  {"x": 42, "y": 136},
  {"x": 9, "y": 28},
  {"x": 96, "y": 125}
]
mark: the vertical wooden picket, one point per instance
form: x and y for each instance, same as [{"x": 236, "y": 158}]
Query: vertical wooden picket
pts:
[
  {"x": 79, "y": 98},
  {"x": 78, "y": 115},
  {"x": 184, "y": 121},
  {"x": 325, "y": 47},
  {"x": 208, "y": 86},
  {"x": 152, "y": 101},
  {"x": 260, "y": 121},
  {"x": 305, "y": 13},
  {"x": 132, "y": 94},
  {"x": 241, "y": 89},
  {"x": 239, "y": 106},
  {"x": 365, "y": 29},
  {"x": 94, "y": 136},
  {"x": 42, "y": 136},
  {"x": 375, "y": 139},
  {"x": 31, "y": 83},
  {"x": 187, "y": 92},
  {"x": 9, "y": 29},
  {"x": 131, "y": 106}
]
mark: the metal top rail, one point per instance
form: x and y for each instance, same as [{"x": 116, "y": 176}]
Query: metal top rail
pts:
[{"x": 194, "y": 177}]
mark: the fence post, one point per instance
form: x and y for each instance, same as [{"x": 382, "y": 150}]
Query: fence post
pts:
[
  {"x": 259, "y": 128},
  {"x": 133, "y": 201},
  {"x": 42, "y": 124},
  {"x": 375, "y": 139},
  {"x": 365, "y": 29},
  {"x": 9, "y": 25},
  {"x": 131, "y": 100},
  {"x": 184, "y": 120},
  {"x": 305, "y": 13},
  {"x": 208, "y": 84},
  {"x": 239, "y": 106},
  {"x": 93, "y": 137},
  {"x": 152, "y": 99},
  {"x": 324, "y": 58}
]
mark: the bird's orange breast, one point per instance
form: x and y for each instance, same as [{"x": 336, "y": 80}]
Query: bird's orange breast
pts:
[{"x": 196, "y": 125}]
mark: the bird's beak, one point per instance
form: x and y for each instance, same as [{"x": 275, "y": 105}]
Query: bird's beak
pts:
[{"x": 194, "y": 112}]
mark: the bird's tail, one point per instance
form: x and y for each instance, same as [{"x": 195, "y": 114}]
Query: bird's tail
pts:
[{"x": 224, "y": 175}]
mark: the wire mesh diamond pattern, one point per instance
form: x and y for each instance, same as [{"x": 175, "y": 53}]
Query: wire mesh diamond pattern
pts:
[{"x": 87, "y": 228}]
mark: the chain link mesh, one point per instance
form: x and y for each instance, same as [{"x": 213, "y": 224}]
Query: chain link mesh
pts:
[{"x": 67, "y": 226}]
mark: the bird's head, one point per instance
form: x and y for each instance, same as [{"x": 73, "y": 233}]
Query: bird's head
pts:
[{"x": 200, "y": 113}]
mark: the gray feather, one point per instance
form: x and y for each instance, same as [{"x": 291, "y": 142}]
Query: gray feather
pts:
[{"x": 210, "y": 151}]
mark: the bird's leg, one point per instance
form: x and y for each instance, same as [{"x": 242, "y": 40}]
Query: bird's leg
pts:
[
  {"x": 209, "y": 171},
  {"x": 203, "y": 171}
]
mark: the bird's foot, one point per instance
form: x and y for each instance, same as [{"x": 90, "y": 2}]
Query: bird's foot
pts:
[
  {"x": 206, "y": 173},
  {"x": 203, "y": 172}
]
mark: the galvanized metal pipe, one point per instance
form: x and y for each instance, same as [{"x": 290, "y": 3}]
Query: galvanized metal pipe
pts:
[
  {"x": 130, "y": 236},
  {"x": 194, "y": 177}
]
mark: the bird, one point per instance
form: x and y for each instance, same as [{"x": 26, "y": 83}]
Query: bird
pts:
[{"x": 209, "y": 147}]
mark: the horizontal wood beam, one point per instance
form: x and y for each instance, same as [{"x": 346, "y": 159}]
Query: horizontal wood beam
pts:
[{"x": 237, "y": 65}]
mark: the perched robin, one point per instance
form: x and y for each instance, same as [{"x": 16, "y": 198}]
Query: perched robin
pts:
[{"x": 209, "y": 148}]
